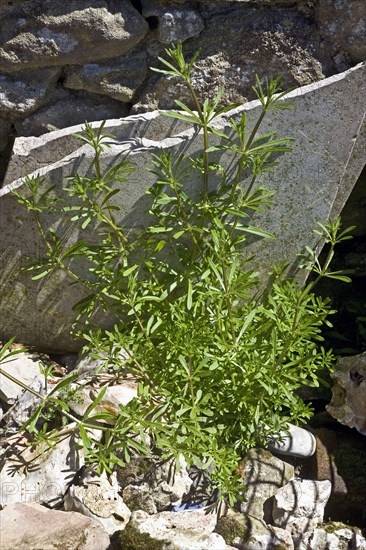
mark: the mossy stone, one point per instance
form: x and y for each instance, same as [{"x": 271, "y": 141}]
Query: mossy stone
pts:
[
  {"x": 232, "y": 527},
  {"x": 334, "y": 526},
  {"x": 132, "y": 539}
]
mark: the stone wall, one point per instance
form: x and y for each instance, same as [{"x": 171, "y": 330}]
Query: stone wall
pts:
[{"x": 62, "y": 63}]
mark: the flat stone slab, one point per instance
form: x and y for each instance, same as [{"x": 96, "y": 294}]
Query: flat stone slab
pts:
[{"x": 313, "y": 183}]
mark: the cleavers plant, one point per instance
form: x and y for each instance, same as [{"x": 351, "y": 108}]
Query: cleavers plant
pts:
[{"x": 219, "y": 362}]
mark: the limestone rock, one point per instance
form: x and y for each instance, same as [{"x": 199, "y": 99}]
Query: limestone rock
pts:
[
  {"x": 39, "y": 475},
  {"x": 139, "y": 497},
  {"x": 33, "y": 526},
  {"x": 263, "y": 474},
  {"x": 68, "y": 108},
  {"x": 298, "y": 442},
  {"x": 134, "y": 472},
  {"x": 23, "y": 407},
  {"x": 333, "y": 536},
  {"x": 348, "y": 403},
  {"x": 87, "y": 366},
  {"x": 250, "y": 533},
  {"x": 233, "y": 45},
  {"x": 25, "y": 92},
  {"x": 118, "y": 78},
  {"x": 121, "y": 393},
  {"x": 25, "y": 367},
  {"x": 7, "y": 138},
  {"x": 98, "y": 497},
  {"x": 161, "y": 484},
  {"x": 190, "y": 530},
  {"x": 344, "y": 22},
  {"x": 176, "y": 25},
  {"x": 41, "y": 35},
  {"x": 299, "y": 506}
]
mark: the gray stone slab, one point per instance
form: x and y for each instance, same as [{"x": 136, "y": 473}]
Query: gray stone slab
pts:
[{"x": 312, "y": 183}]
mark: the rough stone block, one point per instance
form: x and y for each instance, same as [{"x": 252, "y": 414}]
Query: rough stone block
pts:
[
  {"x": 118, "y": 78},
  {"x": 35, "y": 36}
]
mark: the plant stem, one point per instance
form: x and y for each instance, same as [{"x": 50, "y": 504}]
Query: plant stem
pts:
[{"x": 205, "y": 139}]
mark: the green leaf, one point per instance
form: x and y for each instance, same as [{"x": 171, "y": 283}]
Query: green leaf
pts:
[
  {"x": 257, "y": 231},
  {"x": 189, "y": 295},
  {"x": 218, "y": 351},
  {"x": 66, "y": 381},
  {"x": 84, "y": 436},
  {"x": 159, "y": 229},
  {"x": 95, "y": 403},
  {"x": 247, "y": 321},
  {"x": 130, "y": 270},
  {"x": 183, "y": 410},
  {"x": 42, "y": 274},
  {"x": 198, "y": 396},
  {"x": 180, "y": 116},
  {"x": 338, "y": 277},
  {"x": 86, "y": 222}
]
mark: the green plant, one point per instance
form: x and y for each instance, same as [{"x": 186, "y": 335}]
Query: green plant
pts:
[{"x": 218, "y": 360}]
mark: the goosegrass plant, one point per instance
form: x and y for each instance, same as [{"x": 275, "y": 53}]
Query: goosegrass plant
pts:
[{"x": 219, "y": 361}]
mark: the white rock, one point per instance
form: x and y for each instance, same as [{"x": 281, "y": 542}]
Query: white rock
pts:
[
  {"x": 299, "y": 506},
  {"x": 175, "y": 25},
  {"x": 298, "y": 442},
  {"x": 319, "y": 539},
  {"x": 262, "y": 537},
  {"x": 281, "y": 537},
  {"x": 23, "y": 407},
  {"x": 89, "y": 366},
  {"x": 251, "y": 533},
  {"x": 348, "y": 403},
  {"x": 341, "y": 538},
  {"x": 30, "y": 476},
  {"x": 161, "y": 486},
  {"x": 188, "y": 530},
  {"x": 24, "y": 367},
  {"x": 122, "y": 394},
  {"x": 98, "y": 497}
]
